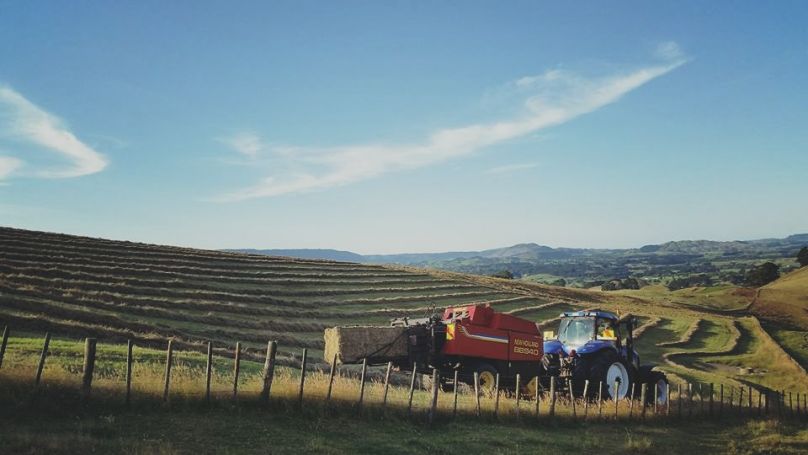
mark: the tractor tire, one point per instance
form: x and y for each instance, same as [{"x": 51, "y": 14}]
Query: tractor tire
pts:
[
  {"x": 607, "y": 367},
  {"x": 488, "y": 376},
  {"x": 657, "y": 381}
]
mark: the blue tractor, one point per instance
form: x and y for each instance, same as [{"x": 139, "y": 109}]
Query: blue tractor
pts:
[{"x": 598, "y": 346}]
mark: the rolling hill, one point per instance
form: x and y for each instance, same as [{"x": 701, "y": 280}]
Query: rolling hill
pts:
[{"x": 116, "y": 290}]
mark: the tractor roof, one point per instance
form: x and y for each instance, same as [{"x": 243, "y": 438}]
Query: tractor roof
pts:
[{"x": 589, "y": 313}]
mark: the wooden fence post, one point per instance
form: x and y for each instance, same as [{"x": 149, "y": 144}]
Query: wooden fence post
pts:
[
  {"x": 740, "y": 401},
  {"x": 790, "y": 405},
  {"x": 731, "y": 398},
  {"x": 721, "y": 400},
  {"x": 302, "y": 378},
  {"x": 331, "y": 379},
  {"x": 386, "y": 384},
  {"x": 656, "y": 399},
  {"x": 42, "y": 357},
  {"x": 711, "y": 400},
  {"x": 169, "y": 358},
  {"x": 454, "y": 406},
  {"x": 668, "y": 400},
  {"x": 496, "y": 396},
  {"x": 538, "y": 396},
  {"x": 749, "y": 400},
  {"x": 412, "y": 387},
  {"x": 689, "y": 399},
  {"x": 518, "y": 393},
  {"x": 129, "y": 346},
  {"x": 236, "y": 369},
  {"x": 3, "y": 345},
  {"x": 552, "y": 396},
  {"x": 433, "y": 405},
  {"x": 477, "y": 392},
  {"x": 572, "y": 399},
  {"x": 89, "y": 367},
  {"x": 600, "y": 399},
  {"x": 643, "y": 397},
  {"x": 766, "y": 403},
  {"x": 269, "y": 370},
  {"x": 615, "y": 393},
  {"x": 631, "y": 401},
  {"x": 760, "y": 403},
  {"x": 679, "y": 399},
  {"x": 701, "y": 398},
  {"x": 362, "y": 383},
  {"x": 208, "y": 372},
  {"x": 586, "y": 399}
]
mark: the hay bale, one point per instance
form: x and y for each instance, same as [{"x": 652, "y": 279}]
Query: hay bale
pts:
[{"x": 377, "y": 344}]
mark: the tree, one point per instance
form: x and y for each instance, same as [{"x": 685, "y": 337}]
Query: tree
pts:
[
  {"x": 762, "y": 274},
  {"x": 503, "y": 274},
  {"x": 802, "y": 256}
]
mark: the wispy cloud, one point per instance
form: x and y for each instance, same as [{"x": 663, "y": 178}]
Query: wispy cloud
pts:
[
  {"x": 246, "y": 143},
  {"x": 8, "y": 164},
  {"x": 548, "y": 99},
  {"x": 24, "y": 122},
  {"x": 504, "y": 169}
]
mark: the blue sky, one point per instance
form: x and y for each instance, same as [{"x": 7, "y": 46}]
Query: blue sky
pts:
[{"x": 383, "y": 127}]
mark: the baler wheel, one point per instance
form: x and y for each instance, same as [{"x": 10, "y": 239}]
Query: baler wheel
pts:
[{"x": 488, "y": 378}]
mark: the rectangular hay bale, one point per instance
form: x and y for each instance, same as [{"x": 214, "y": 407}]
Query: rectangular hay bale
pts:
[{"x": 351, "y": 344}]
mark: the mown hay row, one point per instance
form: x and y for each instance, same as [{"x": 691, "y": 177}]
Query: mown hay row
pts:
[
  {"x": 70, "y": 241},
  {"x": 686, "y": 337},
  {"x": 200, "y": 284},
  {"x": 122, "y": 328},
  {"x": 114, "y": 268},
  {"x": 653, "y": 322},
  {"x": 229, "y": 268},
  {"x": 100, "y": 298},
  {"x": 768, "y": 338},
  {"x": 531, "y": 308},
  {"x": 173, "y": 314},
  {"x": 728, "y": 349}
]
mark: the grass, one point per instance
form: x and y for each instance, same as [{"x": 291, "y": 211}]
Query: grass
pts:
[{"x": 56, "y": 420}]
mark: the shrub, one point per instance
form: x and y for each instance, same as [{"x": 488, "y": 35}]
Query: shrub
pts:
[
  {"x": 762, "y": 274},
  {"x": 802, "y": 256}
]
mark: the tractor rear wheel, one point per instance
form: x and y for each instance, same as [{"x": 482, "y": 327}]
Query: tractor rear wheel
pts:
[
  {"x": 609, "y": 369},
  {"x": 657, "y": 382}
]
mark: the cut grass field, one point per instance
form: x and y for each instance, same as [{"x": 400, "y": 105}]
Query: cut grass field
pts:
[{"x": 113, "y": 290}]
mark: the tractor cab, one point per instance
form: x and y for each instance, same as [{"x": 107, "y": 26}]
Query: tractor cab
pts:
[{"x": 586, "y": 331}]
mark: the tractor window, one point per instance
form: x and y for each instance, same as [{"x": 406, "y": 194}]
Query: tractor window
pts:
[
  {"x": 576, "y": 331},
  {"x": 606, "y": 330}
]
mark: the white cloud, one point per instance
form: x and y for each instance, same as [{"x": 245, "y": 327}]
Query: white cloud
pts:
[
  {"x": 504, "y": 169},
  {"x": 669, "y": 50},
  {"x": 246, "y": 143},
  {"x": 25, "y": 122},
  {"x": 550, "y": 99},
  {"x": 8, "y": 164}
]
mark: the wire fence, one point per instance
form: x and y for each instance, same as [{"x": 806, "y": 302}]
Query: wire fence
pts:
[{"x": 428, "y": 396}]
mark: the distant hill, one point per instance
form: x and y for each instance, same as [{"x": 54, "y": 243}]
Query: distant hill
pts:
[{"x": 722, "y": 261}]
